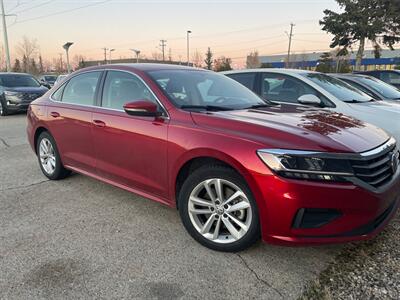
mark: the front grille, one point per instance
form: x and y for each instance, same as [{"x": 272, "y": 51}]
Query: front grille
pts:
[
  {"x": 377, "y": 169},
  {"x": 29, "y": 97}
]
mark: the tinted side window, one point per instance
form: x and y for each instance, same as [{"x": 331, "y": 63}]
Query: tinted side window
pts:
[
  {"x": 247, "y": 79},
  {"x": 121, "y": 88},
  {"x": 282, "y": 88},
  {"x": 81, "y": 89},
  {"x": 58, "y": 94}
]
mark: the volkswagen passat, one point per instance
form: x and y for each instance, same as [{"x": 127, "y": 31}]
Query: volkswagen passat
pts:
[{"x": 235, "y": 166}]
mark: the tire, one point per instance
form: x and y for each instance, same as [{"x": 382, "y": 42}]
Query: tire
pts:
[
  {"x": 3, "y": 108},
  {"x": 49, "y": 157},
  {"x": 200, "y": 214}
]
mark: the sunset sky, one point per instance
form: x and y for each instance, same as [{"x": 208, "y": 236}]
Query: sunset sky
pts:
[{"x": 230, "y": 28}]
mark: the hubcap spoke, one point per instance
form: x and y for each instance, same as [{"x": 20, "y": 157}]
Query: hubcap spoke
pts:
[
  {"x": 207, "y": 226},
  {"x": 239, "y": 223},
  {"x": 209, "y": 191},
  {"x": 234, "y": 196},
  {"x": 232, "y": 230},
  {"x": 216, "y": 230},
  {"x": 238, "y": 206},
  {"x": 219, "y": 190},
  {"x": 200, "y": 211},
  {"x": 200, "y": 201}
]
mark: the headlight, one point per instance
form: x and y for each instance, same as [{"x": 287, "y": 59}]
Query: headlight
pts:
[
  {"x": 12, "y": 96},
  {"x": 306, "y": 165}
]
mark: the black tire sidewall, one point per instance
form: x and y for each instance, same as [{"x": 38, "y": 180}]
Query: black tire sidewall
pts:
[
  {"x": 209, "y": 172},
  {"x": 5, "y": 110},
  {"x": 60, "y": 171}
]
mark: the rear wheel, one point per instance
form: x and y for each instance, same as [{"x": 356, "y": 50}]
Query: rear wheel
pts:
[
  {"x": 49, "y": 157},
  {"x": 3, "y": 108},
  {"x": 218, "y": 210}
]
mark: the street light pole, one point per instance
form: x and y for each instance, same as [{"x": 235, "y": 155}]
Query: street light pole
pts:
[
  {"x": 111, "y": 50},
  {"x": 187, "y": 40},
  {"x": 290, "y": 35},
  {"x": 3, "y": 15},
  {"x": 66, "y": 47},
  {"x": 137, "y": 54}
]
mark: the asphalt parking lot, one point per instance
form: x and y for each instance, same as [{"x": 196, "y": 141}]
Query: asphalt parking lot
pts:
[{"x": 80, "y": 238}]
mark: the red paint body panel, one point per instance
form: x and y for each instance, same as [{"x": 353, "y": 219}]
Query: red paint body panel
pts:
[{"x": 144, "y": 155}]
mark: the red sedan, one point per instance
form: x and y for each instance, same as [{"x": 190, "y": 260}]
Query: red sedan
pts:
[{"x": 236, "y": 166}]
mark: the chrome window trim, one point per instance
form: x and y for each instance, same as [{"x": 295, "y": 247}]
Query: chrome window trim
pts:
[
  {"x": 66, "y": 82},
  {"x": 144, "y": 83},
  {"x": 107, "y": 108}
]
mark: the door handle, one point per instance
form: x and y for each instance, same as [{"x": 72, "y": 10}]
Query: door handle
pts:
[
  {"x": 55, "y": 114},
  {"x": 99, "y": 123}
]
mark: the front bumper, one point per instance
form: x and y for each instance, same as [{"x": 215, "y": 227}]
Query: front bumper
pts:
[{"x": 360, "y": 213}]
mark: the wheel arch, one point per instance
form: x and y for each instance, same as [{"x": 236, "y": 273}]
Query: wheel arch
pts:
[{"x": 200, "y": 157}]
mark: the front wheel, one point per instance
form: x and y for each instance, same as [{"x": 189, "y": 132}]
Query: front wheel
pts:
[
  {"x": 218, "y": 210},
  {"x": 3, "y": 108}
]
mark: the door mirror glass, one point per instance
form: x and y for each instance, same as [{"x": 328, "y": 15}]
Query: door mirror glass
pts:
[
  {"x": 142, "y": 108},
  {"x": 309, "y": 99}
]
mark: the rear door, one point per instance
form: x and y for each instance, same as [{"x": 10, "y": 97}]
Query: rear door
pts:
[
  {"x": 70, "y": 114},
  {"x": 130, "y": 150}
]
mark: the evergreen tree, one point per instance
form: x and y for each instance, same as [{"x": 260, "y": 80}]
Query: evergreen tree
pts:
[
  {"x": 17, "y": 65},
  {"x": 325, "y": 63},
  {"x": 209, "y": 61},
  {"x": 360, "y": 21}
]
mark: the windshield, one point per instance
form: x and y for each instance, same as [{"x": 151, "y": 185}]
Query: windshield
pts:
[
  {"x": 18, "y": 81},
  {"x": 380, "y": 87},
  {"x": 338, "y": 88},
  {"x": 202, "y": 88},
  {"x": 50, "y": 77}
]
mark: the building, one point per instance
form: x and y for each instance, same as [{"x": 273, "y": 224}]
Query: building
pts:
[{"x": 389, "y": 59}]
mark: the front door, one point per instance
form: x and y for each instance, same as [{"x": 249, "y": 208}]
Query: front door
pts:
[{"x": 131, "y": 151}]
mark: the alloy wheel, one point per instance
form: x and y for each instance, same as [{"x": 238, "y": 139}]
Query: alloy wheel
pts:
[
  {"x": 47, "y": 156},
  {"x": 220, "y": 211}
]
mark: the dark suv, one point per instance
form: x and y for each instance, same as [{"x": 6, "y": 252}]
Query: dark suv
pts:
[{"x": 17, "y": 91}]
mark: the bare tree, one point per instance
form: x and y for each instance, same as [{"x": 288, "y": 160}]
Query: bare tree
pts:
[
  {"x": 197, "y": 59},
  {"x": 28, "y": 48},
  {"x": 76, "y": 61},
  {"x": 253, "y": 61},
  {"x": 156, "y": 55}
]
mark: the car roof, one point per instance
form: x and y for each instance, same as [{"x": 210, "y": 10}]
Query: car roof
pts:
[
  {"x": 146, "y": 67},
  {"x": 270, "y": 70},
  {"x": 14, "y": 73},
  {"x": 350, "y": 75}
]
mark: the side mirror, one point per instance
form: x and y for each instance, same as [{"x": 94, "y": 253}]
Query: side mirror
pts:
[
  {"x": 142, "y": 108},
  {"x": 309, "y": 99}
]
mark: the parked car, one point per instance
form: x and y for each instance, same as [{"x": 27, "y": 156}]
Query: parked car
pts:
[
  {"x": 48, "y": 79},
  {"x": 60, "y": 78},
  {"x": 235, "y": 166},
  {"x": 372, "y": 86},
  {"x": 17, "y": 90},
  {"x": 320, "y": 90},
  {"x": 389, "y": 76}
]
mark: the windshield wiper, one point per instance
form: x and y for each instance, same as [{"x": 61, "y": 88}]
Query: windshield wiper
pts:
[
  {"x": 357, "y": 101},
  {"x": 206, "y": 107},
  {"x": 259, "y": 106}
]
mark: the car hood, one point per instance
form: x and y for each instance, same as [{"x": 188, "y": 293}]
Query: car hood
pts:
[
  {"x": 296, "y": 127},
  {"x": 37, "y": 90},
  {"x": 374, "y": 106}
]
